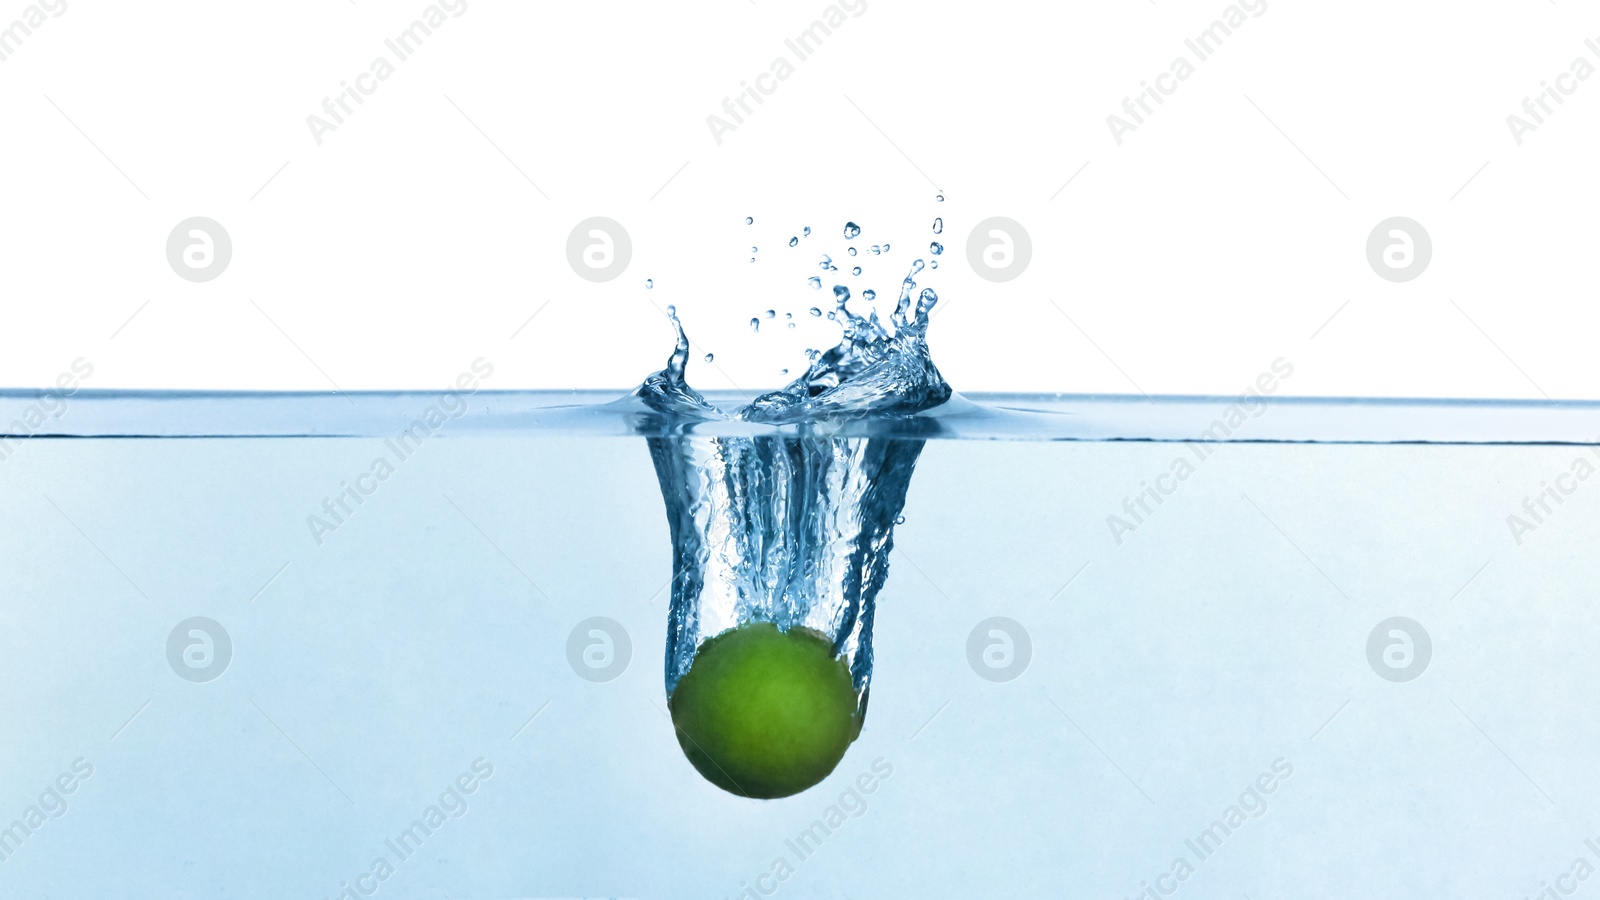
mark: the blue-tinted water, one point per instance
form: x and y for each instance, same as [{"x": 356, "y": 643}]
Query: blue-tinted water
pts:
[
  {"x": 407, "y": 643},
  {"x": 794, "y": 530},
  {"x": 1081, "y": 661}
]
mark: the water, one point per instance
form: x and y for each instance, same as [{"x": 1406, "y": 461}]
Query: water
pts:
[
  {"x": 311, "y": 645},
  {"x": 1165, "y": 674},
  {"x": 797, "y": 530}
]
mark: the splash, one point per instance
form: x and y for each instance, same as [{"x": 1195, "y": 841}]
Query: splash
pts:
[
  {"x": 878, "y": 368},
  {"x": 795, "y": 530}
]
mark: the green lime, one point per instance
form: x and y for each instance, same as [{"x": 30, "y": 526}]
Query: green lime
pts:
[{"x": 766, "y": 713}]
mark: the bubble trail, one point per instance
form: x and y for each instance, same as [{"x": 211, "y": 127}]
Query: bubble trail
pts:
[{"x": 781, "y": 544}]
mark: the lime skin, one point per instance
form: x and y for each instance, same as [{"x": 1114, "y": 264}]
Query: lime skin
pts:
[{"x": 766, "y": 713}]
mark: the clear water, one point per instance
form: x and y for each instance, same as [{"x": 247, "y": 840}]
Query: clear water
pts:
[
  {"x": 406, "y": 643},
  {"x": 1164, "y": 675},
  {"x": 793, "y": 529}
]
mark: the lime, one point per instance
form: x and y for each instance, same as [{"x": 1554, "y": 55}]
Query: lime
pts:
[{"x": 766, "y": 713}]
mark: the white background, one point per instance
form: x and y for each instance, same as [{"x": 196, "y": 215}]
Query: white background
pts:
[{"x": 427, "y": 229}]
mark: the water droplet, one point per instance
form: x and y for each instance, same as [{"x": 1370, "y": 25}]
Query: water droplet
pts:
[
  {"x": 783, "y": 371},
  {"x": 671, "y": 310},
  {"x": 815, "y": 282},
  {"x": 791, "y": 324},
  {"x": 851, "y": 229},
  {"x": 826, "y": 261},
  {"x": 900, "y": 520},
  {"x": 869, "y": 295},
  {"x": 934, "y": 264},
  {"x": 749, "y": 220},
  {"x": 876, "y": 249},
  {"x": 771, "y": 314},
  {"x": 788, "y": 315},
  {"x": 806, "y": 232},
  {"x": 794, "y": 241},
  {"x": 755, "y": 325},
  {"x": 754, "y": 249},
  {"x": 711, "y": 357},
  {"x": 649, "y": 283},
  {"x": 938, "y": 225},
  {"x": 939, "y": 199},
  {"x": 936, "y": 248},
  {"x": 841, "y": 294},
  {"x": 852, "y": 251},
  {"x": 752, "y": 259},
  {"x": 856, "y": 271},
  {"x": 815, "y": 311},
  {"x": 886, "y": 247}
]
